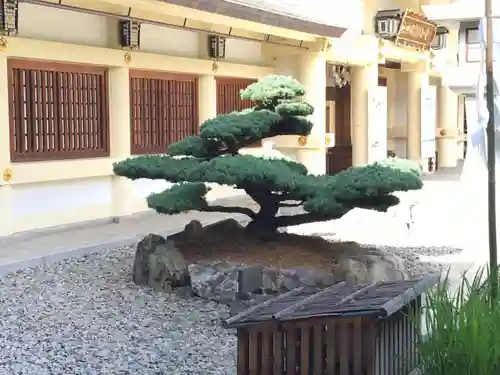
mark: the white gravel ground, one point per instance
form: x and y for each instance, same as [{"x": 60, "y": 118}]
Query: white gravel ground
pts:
[{"x": 86, "y": 316}]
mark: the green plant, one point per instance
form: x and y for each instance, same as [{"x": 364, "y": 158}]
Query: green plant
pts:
[
  {"x": 213, "y": 156},
  {"x": 462, "y": 328}
]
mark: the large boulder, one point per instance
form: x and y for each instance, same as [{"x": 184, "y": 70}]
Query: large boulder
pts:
[
  {"x": 280, "y": 280},
  {"x": 360, "y": 265},
  {"x": 224, "y": 282},
  {"x": 159, "y": 264}
]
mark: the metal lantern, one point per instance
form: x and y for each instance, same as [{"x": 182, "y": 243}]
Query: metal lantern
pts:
[
  {"x": 130, "y": 34},
  {"x": 341, "y": 75},
  {"x": 387, "y": 23},
  {"x": 9, "y": 17},
  {"x": 216, "y": 47},
  {"x": 441, "y": 39}
]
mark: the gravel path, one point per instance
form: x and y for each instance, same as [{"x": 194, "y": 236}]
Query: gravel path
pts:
[{"x": 85, "y": 316}]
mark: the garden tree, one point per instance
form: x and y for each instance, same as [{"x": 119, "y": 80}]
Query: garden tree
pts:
[{"x": 213, "y": 156}]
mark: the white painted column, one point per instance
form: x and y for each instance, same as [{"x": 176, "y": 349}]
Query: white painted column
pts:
[
  {"x": 363, "y": 79},
  {"x": 416, "y": 80},
  {"x": 312, "y": 72},
  {"x": 447, "y": 123},
  {"x": 6, "y": 194},
  {"x": 120, "y": 137},
  {"x": 391, "y": 109},
  {"x": 207, "y": 98}
]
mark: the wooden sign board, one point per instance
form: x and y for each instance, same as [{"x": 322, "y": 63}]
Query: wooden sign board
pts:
[{"x": 415, "y": 31}]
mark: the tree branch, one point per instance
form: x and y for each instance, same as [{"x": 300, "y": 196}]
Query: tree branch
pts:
[
  {"x": 284, "y": 204},
  {"x": 230, "y": 210},
  {"x": 289, "y": 221}
]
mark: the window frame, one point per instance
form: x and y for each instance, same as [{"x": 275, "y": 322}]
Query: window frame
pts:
[
  {"x": 59, "y": 67},
  {"x": 135, "y": 149},
  {"x": 468, "y": 44}
]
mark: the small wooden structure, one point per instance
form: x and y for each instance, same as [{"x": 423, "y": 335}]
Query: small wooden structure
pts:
[{"x": 340, "y": 330}]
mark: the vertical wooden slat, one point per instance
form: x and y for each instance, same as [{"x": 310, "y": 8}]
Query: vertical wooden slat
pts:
[
  {"x": 57, "y": 97},
  {"x": 73, "y": 113},
  {"x": 253, "y": 352},
  {"x": 331, "y": 352},
  {"x": 31, "y": 112},
  {"x": 291, "y": 350},
  {"x": 305, "y": 349},
  {"x": 17, "y": 110},
  {"x": 370, "y": 350},
  {"x": 40, "y": 112},
  {"x": 278, "y": 353},
  {"x": 357, "y": 345},
  {"x": 242, "y": 347},
  {"x": 345, "y": 339},
  {"x": 66, "y": 82},
  {"x": 318, "y": 356},
  {"x": 266, "y": 352}
]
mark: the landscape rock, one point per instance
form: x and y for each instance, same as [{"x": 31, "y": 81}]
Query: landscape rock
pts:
[
  {"x": 369, "y": 266},
  {"x": 216, "y": 281},
  {"x": 159, "y": 264},
  {"x": 226, "y": 226},
  {"x": 191, "y": 230},
  {"x": 282, "y": 280},
  {"x": 224, "y": 282}
]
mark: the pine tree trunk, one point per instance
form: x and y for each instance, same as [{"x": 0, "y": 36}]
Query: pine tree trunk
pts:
[{"x": 264, "y": 224}]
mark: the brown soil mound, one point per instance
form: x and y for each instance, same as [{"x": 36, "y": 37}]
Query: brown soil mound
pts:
[{"x": 285, "y": 250}]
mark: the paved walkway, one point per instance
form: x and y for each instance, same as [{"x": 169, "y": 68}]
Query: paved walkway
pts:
[{"x": 41, "y": 247}]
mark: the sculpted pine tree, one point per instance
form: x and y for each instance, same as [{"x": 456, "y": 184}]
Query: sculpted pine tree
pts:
[{"x": 213, "y": 156}]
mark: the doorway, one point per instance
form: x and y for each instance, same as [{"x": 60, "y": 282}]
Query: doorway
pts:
[{"x": 338, "y": 101}]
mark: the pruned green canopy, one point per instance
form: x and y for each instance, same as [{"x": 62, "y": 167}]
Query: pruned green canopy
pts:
[{"x": 213, "y": 156}]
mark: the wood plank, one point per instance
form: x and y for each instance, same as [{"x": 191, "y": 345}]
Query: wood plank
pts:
[
  {"x": 266, "y": 352},
  {"x": 331, "y": 350},
  {"x": 357, "y": 345},
  {"x": 291, "y": 350},
  {"x": 253, "y": 352},
  {"x": 318, "y": 349},
  {"x": 305, "y": 349},
  {"x": 278, "y": 353},
  {"x": 242, "y": 348},
  {"x": 345, "y": 343}
]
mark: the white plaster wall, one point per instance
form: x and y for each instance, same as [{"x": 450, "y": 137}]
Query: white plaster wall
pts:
[
  {"x": 52, "y": 204},
  {"x": 167, "y": 41},
  {"x": 244, "y": 51},
  {"x": 57, "y": 25}
]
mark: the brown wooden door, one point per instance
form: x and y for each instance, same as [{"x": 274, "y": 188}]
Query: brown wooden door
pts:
[{"x": 339, "y": 157}]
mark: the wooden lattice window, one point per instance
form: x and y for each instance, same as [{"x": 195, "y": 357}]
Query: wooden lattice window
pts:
[
  {"x": 164, "y": 109},
  {"x": 57, "y": 111},
  {"x": 228, "y": 95}
]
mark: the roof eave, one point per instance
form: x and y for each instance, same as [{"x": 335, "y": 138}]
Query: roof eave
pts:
[{"x": 247, "y": 13}]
